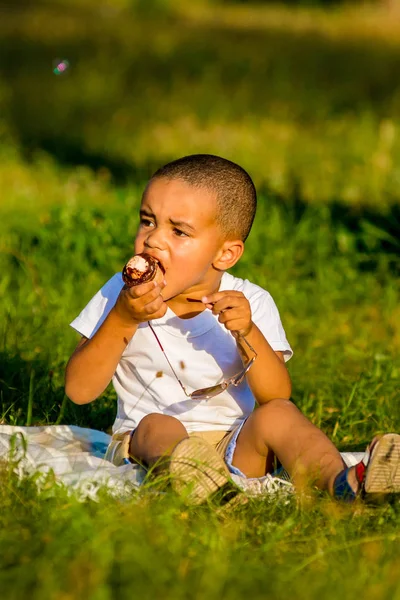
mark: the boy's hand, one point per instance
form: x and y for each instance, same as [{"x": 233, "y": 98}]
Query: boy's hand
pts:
[
  {"x": 141, "y": 303},
  {"x": 233, "y": 309}
]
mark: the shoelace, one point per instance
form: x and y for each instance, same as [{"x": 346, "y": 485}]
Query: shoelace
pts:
[{"x": 264, "y": 485}]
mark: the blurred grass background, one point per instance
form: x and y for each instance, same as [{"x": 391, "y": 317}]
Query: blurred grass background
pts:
[
  {"x": 306, "y": 98},
  {"x": 304, "y": 95},
  {"x": 299, "y": 96}
]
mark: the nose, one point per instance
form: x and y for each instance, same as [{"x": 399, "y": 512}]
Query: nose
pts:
[{"x": 154, "y": 239}]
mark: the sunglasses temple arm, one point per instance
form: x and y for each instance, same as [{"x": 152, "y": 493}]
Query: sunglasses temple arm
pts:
[
  {"x": 242, "y": 343},
  {"x": 241, "y": 337}
]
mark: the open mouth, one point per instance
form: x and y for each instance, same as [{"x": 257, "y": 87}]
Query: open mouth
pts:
[{"x": 160, "y": 265}]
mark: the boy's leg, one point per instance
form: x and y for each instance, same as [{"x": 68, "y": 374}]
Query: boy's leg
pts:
[
  {"x": 155, "y": 438},
  {"x": 197, "y": 470},
  {"x": 279, "y": 429}
]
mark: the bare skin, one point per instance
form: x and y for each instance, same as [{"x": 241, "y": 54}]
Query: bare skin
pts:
[
  {"x": 275, "y": 430},
  {"x": 155, "y": 438},
  {"x": 178, "y": 227},
  {"x": 279, "y": 429}
]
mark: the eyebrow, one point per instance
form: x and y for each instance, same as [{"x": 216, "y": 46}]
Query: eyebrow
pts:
[
  {"x": 183, "y": 224},
  {"x": 147, "y": 213}
]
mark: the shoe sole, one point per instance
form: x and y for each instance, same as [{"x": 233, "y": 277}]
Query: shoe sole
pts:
[
  {"x": 199, "y": 473},
  {"x": 383, "y": 471}
]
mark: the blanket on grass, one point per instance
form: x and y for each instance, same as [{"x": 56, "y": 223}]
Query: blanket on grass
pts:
[{"x": 75, "y": 455}]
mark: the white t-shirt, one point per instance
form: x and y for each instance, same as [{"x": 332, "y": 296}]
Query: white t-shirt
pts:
[{"x": 201, "y": 351}]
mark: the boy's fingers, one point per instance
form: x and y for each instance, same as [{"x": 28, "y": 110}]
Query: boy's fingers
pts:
[
  {"x": 150, "y": 302},
  {"x": 232, "y": 315},
  {"x": 213, "y": 298},
  {"x": 154, "y": 306},
  {"x": 237, "y": 325},
  {"x": 229, "y": 302},
  {"x": 138, "y": 291}
]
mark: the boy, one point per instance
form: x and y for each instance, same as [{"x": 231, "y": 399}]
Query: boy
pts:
[{"x": 161, "y": 342}]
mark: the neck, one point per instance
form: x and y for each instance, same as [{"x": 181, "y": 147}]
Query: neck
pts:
[{"x": 188, "y": 304}]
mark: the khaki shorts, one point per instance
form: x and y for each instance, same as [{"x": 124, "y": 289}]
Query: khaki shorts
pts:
[{"x": 118, "y": 449}]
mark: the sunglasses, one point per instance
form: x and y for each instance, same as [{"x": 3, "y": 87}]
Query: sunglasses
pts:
[{"x": 213, "y": 390}]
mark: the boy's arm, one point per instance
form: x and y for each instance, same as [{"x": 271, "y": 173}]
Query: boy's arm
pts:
[
  {"x": 268, "y": 377},
  {"x": 93, "y": 363}
]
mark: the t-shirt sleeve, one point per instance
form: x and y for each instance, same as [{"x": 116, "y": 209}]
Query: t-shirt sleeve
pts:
[
  {"x": 95, "y": 312},
  {"x": 266, "y": 316}
]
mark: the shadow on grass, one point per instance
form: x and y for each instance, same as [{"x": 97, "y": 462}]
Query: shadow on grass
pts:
[
  {"x": 71, "y": 153},
  {"x": 367, "y": 233},
  {"x": 32, "y": 393},
  {"x": 210, "y": 71}
]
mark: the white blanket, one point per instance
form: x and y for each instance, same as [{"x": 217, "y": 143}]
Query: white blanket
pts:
[{"x": 75, "y": 456}]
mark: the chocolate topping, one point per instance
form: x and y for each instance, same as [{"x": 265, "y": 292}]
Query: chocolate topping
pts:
[{"x": 131, "y": 275}]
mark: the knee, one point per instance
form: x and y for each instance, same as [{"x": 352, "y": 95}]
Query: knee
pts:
[
  {"x": 277, "y": 405},
  {"x": 273, "y": 414},
  {"x": 154, "y": 426}
]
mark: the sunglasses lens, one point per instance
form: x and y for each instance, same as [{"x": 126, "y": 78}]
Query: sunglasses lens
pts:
[{"x": 208, "y": 392}]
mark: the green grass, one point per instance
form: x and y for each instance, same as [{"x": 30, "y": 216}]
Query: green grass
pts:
[
  {"x": 337, "y": 289},
  {"x": 304, "y": 99},
  {"x": 54, "y": 547},
  {"x": 335, "y": 286}
]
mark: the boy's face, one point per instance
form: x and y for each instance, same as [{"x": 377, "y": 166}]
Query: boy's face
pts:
[{"x": 178, "y": 227}]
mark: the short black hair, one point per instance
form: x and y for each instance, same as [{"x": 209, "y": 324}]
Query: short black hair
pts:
[{"x": 235, "y": 191}]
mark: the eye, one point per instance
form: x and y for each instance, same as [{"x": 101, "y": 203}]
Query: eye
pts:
[
  {"x": 180, "y": 233},
  {"x": 146, "y": 222}
]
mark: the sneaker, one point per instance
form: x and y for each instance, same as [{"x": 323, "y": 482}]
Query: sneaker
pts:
[
  {"x": 118, "y": 449},
  {"x": 199, "y": 474},
  {"x": 379, "y": 472}
]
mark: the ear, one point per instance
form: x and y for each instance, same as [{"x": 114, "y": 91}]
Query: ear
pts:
[{"x": 228, "y": 254}]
